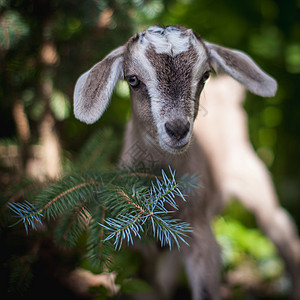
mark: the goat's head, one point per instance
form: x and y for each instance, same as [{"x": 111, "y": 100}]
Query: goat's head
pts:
[{"x": 166, "y": 69}]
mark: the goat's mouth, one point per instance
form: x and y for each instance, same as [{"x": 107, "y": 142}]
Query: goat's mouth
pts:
[{"x": 175, "y": 147}]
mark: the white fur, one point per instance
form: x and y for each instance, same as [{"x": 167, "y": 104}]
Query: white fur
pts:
[
  {"x": 99, "y": 106},
  {"x": 168, "y": 41}
]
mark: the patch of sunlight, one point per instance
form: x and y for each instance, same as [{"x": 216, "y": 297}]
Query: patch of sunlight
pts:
[
  {"x": 122, "y": 89},
  {"x": 269, "y": 9},
  {"x": 272, "y": 116},
  {"x": 267, "y": 43},
  {"x": 60, "y": 105},
  {"x": 240, "y": 244},
  {"x": 267, "y": 137},
  {"x": 292, "y": 58},
  {"x": 74, "y": 24}
]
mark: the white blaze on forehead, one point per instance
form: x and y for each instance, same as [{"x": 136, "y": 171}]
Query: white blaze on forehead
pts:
[{"x": 170, "y": 40}]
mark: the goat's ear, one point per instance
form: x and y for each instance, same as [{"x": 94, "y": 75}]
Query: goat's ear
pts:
[
  {"x": 94, "y": 88},
  {"x": 242, "y": 68}
]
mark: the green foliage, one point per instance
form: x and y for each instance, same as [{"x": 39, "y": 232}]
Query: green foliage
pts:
[
  {"x": 241, "y": 245},
  {"x": 131, "y": 286},
  {"x": 247, "y": 253},
  {"x": 98, "y": 153},
  {"x": 19, "y": 284}
]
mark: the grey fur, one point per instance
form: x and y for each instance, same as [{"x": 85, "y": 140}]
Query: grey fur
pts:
[
  {"x": 168, "y": 93},
  {"x": 241, "y": 67}
]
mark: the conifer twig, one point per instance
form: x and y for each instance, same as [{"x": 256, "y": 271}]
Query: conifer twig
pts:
[
  {"x": 102, "y": 231},
  {"x": 153, "y": 212},
  {"x": 27, "y": 213},
  {"x": 70, "y": 190},
  {"x": 131, "y": 202}
]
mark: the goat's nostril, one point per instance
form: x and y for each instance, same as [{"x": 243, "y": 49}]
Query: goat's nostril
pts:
[{"x": 177, "y": 129}]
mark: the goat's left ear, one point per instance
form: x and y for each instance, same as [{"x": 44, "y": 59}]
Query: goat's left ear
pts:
[
  {"x": 242, "y": 68},
  {"x": 94, "y": 88}
]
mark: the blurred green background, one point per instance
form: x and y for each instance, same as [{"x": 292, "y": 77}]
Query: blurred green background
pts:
[{"x": 46, "y": 44}]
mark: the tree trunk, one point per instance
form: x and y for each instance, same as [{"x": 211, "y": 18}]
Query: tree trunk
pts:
[
  {"x": 48, "y": 138},
  {"x": 24, "y": 134}
]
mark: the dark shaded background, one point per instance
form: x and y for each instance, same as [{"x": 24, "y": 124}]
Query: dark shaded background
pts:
[{"x": 46, "y": 44}]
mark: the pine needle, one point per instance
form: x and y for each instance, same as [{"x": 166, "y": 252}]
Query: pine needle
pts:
[{"x": 27, "y": 213}]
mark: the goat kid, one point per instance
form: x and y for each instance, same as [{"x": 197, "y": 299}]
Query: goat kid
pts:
[{"x": 166, "y": 68}]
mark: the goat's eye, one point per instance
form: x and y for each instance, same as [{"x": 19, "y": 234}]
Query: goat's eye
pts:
[
  {"x": 205, "y": 76},
  {"x": 133, "y": 81}
]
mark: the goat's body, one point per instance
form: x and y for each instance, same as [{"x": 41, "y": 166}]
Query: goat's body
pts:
[{"x": 166, "y": 68}]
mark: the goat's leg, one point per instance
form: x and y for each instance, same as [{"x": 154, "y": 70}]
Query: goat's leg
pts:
[
  {"x": 253, "y": 186},
  {"x": 202, "y": 263},
  {"x": 278, "y": 226},
  {"x": 167, "y": 272}
]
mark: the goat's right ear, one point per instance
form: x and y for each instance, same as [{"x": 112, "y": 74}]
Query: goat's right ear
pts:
[
  {"x": 242, "y": 68},
  {"x": 94, "y": 88}
]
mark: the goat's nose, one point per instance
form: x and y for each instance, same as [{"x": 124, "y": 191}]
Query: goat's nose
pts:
[{"x": 177, "y": 129}]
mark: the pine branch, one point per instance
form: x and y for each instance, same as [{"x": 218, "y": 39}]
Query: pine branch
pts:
[
  {"x": 123, "y": 228},
  {"x": 56, "y": 200},
  {"x": 113, "y": 208},
  {"x": 150, "y": 209},
  {"x": 98, "y": 251},
  {"x": 169, "y": 231},
  {"x": 27, "y": 213},
  {"x": 69, "y": 192},
  {"x": 102, "y": 231},
  {"x": 96, "y": 155},
  {"x": 71, "y": 226}
]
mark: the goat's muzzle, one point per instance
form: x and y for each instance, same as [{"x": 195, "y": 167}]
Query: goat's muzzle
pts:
[
  {"x": 177, "y": 129},
  {"x": 178, "y": 134}
]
